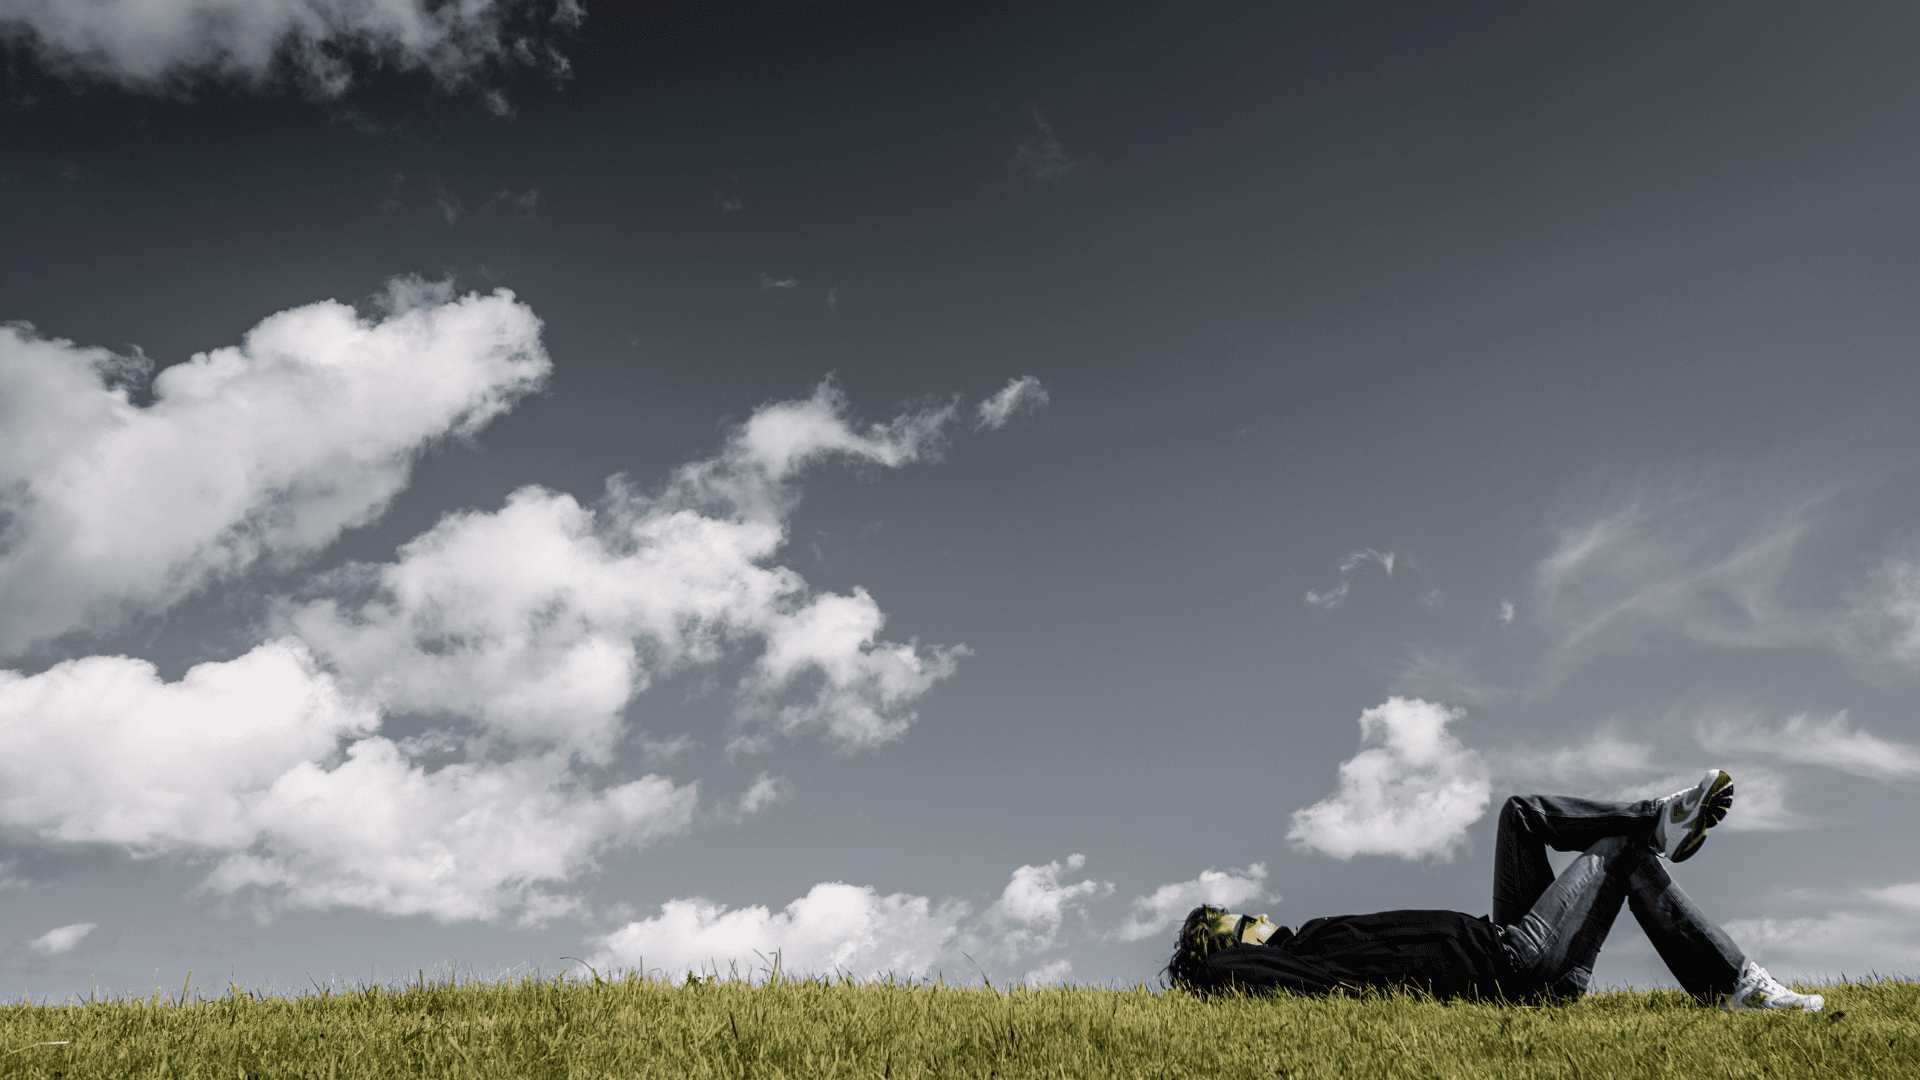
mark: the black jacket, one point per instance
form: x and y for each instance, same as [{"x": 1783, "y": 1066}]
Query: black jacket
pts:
[{"x": 1443, "y": 952}]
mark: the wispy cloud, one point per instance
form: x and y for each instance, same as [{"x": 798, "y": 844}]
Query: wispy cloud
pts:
[
  {"x": 1411, "y": 791},
  {"x": 1332, "y": 598},
  {"x": 1830, "y": 741},
  {"x": 61, "y": 939},
  {"x": 1040, "y": 154},
  {"x": 1020, "y": 397},
  {"x": 766, "y": 790},
  {"x": 1682, "y": 560},
  {"x": 1606, "y": 756},
  {"x": 1612, "y": 761},
  {"x": 1905, "y": 895},
  {"x": 521, "y": 204},
  {"x": 769, "y": 281},
  {"x": 1884, "y": 620}
]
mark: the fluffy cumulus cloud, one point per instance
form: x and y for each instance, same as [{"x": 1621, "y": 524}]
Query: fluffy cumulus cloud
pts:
[
  {"x": 1160, "y": 910},
  {"x": 1021, "y": 397},
  {"x": 506, "y": 644},
  {"x": 242, "y": 761},
  {"x": 853, "y": 930},
  {"x": 537, "y": 623},
  {"x": 834, "y": 929},
  {"x": 264, "y": 451},
  {"x": 143, "y": 43},
  {"x": 1411, "y": 791},
  {"x": 105, "y": 751},
  {"x": 470, "y": 840},
  {"x": 1028, "y": 916}
]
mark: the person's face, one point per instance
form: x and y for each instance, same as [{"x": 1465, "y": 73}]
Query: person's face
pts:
[{"x": 1256, "y": 930}]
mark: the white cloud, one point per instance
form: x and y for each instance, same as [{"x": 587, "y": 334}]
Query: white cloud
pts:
[
  {"x": 540, "y": 621},
  {"x": 471, "y": 840},
  {"x": 519, "y": 636},
  {"x": 1830, "y": 741},
  {"x": 1020, "y": 397},
  {"x": 1506, "y": 612},
  {"x": 261, "y": 452},
  {"x": 835, "y": 928},
  {"x": 1029, "y": 913},
  {"x": 1337, "y": 595},
  {"x": 1354, "y": 558},
  {"x": 1330, "y": 598},
  {"x": 233, "y": 761},
  {"x": 1051, "y": 974},
  {"x": 852, "y": 929},
  {"x": 144, "y": 44},
  {"x": 1411, "y": 794},
  {"x": 766, "y": 790},
  {"x": 101, "y": 750},
  {"x": 61, "y": 939},
  {"x": 513, "y": 640},
  {"x": 1158, "y": 911}
]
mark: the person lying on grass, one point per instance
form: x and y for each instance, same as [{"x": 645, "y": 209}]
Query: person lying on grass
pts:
[{"x": 1544, "y": 934}]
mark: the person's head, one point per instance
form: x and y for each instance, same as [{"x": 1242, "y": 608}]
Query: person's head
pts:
[{"x": 1207, "y": 930}]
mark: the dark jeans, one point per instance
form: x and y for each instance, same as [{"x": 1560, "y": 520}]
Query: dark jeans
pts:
[{"x": 1554, "y": 927}]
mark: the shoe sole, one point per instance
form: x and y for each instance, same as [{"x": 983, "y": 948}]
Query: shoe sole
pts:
[{"x": 1713, "y": 807}]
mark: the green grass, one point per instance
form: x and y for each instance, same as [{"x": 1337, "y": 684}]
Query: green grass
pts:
[{"x": 641, "y": 1028}]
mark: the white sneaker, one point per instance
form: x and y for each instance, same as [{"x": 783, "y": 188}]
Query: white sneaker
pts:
[
  {"x": 1758, "y": 990},
  {"x": 1685, "y": 816}
]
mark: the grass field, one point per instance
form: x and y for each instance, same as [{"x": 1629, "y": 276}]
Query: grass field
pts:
[{"x": 643, "y": 1028}]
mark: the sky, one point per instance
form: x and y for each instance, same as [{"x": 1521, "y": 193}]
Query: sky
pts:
[{"x": 513, "y": 487}]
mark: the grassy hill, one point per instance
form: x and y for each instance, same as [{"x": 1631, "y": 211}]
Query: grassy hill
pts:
[{"x": 639, "y": 1027}]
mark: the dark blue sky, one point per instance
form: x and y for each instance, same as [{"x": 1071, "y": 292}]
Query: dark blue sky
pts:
[{"x": 1599, "y": 319}]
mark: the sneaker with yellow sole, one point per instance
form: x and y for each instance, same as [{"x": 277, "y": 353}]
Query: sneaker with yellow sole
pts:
[{"x": 1685, "y": 816}]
